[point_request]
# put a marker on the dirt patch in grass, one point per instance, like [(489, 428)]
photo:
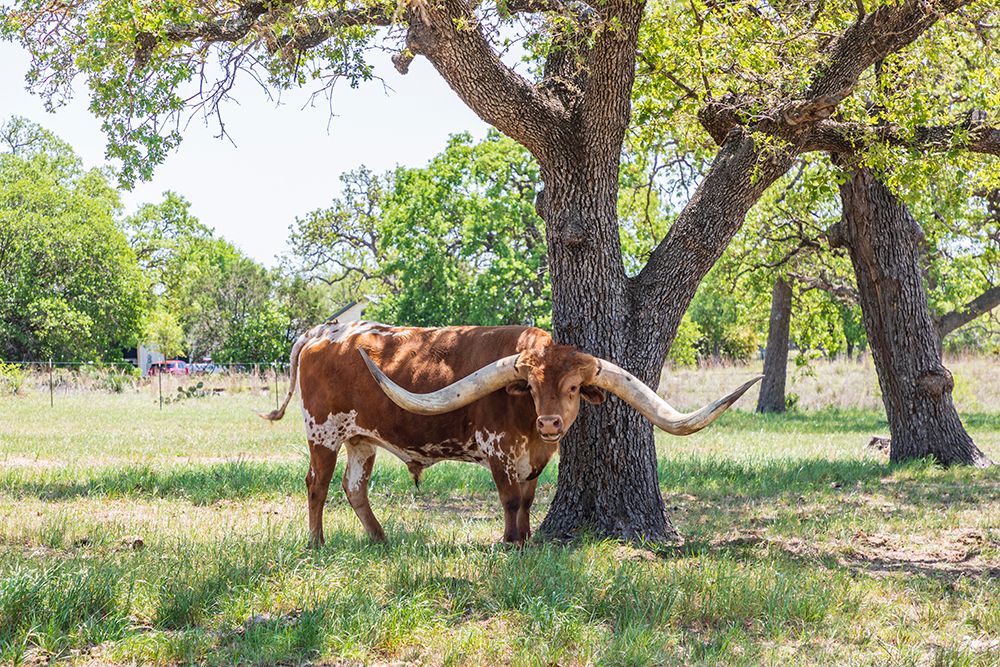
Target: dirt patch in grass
[(952, 553), (470, 509), (630, 553), (27, 462), (793, 546)]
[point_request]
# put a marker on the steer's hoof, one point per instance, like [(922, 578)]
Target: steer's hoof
[(505, 543)]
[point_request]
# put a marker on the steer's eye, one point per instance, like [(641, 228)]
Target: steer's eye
[(573, 389)]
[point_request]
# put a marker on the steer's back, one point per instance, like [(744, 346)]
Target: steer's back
[(340, 398)]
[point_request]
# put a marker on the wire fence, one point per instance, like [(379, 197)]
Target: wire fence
[(166, 384)]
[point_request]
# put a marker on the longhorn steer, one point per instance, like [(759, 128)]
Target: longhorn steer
[(453, 376)]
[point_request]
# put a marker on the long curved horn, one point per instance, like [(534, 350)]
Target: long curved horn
[(458, 394), (632, 390)]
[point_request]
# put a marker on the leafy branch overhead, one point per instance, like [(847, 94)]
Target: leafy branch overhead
[(147, 63)]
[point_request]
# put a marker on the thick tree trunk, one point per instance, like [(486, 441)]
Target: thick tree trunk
[(772, 388), (883, 240), (608, 482)]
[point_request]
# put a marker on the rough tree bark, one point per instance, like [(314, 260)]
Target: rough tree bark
[(883, 241), (608, 481), (772, 388)]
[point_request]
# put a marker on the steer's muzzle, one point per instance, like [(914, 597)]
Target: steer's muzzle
[(550, 427)]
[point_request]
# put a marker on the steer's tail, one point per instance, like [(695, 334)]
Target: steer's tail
[(293, 373)]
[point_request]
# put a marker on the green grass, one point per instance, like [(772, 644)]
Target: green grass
[(801, 547)]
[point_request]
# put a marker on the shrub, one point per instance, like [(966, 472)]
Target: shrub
[(12, 378)]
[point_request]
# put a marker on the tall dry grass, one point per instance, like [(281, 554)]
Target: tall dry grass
[(845, 384)]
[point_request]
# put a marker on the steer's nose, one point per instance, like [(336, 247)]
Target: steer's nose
[(550, 426)]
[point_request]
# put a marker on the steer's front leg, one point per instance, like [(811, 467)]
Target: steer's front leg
[(510, 499), (523, 513)]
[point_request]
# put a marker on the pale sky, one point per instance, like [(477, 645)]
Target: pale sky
[(287, 159)]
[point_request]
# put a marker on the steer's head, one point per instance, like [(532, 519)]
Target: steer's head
[(556, 377)]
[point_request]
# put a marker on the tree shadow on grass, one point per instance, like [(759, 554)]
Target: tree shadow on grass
[(200, 484), (916, 483)]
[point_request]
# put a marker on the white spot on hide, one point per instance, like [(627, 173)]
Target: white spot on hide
[(508, 460), (337, 429), (358, 454)]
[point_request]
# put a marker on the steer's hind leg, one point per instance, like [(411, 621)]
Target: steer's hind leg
[(360, 458), (322, 461)]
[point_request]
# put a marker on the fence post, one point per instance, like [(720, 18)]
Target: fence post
[(52, 400), (159, 381)]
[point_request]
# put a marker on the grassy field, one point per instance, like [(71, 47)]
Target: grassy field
[(130, 535)]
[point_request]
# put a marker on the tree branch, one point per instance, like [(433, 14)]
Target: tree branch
[(849, 138), (449, 35), (312, 30), (738, 176), (873, 37), (844, 293), (981, 305), (868, 40), (226, 29), (607, 101)]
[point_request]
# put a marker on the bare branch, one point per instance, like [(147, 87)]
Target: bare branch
[(981, 305), (453, 40), (849, 138)]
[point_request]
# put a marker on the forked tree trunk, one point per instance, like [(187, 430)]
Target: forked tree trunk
[(608, 483), (883, 240), (772, 388)]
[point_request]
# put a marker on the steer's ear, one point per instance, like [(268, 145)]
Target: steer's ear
[(519, 388), (593, 395)]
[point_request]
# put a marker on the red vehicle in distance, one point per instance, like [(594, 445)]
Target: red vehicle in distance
[(169, 367)]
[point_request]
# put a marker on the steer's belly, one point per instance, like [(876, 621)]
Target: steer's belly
[(429, 453), (505, 453)]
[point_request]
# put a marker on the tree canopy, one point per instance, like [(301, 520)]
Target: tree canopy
[(69, 284), (208, 299), (455, 242)]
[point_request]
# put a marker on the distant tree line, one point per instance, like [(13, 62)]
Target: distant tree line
[(79, 281), (457, 241)]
